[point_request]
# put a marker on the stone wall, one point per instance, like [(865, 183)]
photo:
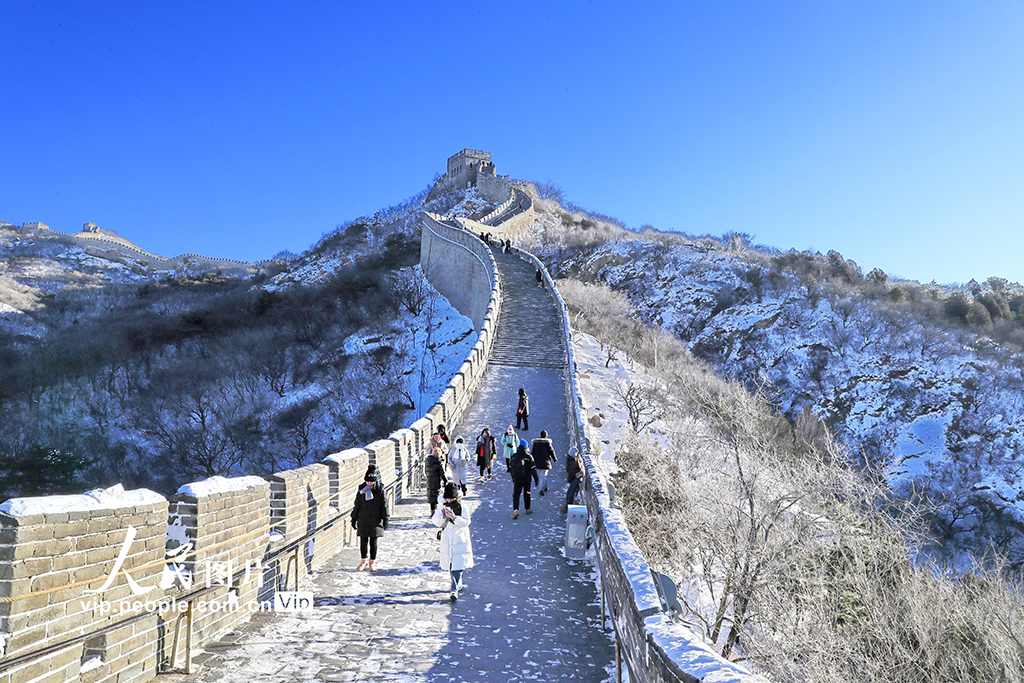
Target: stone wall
[(58, 582), (653, 648), (228, 525), (463, 275), (217, 547), (493, 188)]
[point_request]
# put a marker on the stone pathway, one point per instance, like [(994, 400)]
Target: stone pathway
[(527, 614)]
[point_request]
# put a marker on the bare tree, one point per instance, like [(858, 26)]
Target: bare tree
[(643, 402)]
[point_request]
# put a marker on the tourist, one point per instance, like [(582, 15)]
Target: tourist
[(509, 440), (434, 466), (369, 518), (484, 452), (439, 439), (540, 278), (523, 411), (574, 474), (456, 545), (543, 455), (523, 473), (458, 460)]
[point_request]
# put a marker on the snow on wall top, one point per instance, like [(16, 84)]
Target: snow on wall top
[(346, 454), (215, 485), (113, 498)]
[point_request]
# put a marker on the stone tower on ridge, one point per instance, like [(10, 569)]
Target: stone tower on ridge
[(473, 168)]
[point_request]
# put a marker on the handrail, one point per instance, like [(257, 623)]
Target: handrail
[(475, 358), (188, 597)]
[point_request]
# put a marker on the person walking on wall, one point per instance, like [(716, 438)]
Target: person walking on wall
[(456, 544), (543, 453), (434, 465), (439, 439), (523, 411), (509, 440), (484, 452), (574, 474), (458, 460), (369, 518), (523, 474)]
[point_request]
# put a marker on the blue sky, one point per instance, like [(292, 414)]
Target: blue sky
[(890, 132)]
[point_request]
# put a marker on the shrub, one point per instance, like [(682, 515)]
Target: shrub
[(978, 315)]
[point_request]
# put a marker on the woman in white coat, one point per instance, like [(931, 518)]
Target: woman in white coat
[(459, 460), (456, 545)]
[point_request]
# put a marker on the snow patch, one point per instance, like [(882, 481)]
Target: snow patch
[(113, 498), (215, 485)]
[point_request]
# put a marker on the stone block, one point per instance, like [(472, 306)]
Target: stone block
[(101, 555), (55, 580), (69, 561), (90, 572), (34, 566), (52, 548), (98, 541), (105, 524)]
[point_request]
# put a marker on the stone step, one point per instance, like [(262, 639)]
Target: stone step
[(529, 330)]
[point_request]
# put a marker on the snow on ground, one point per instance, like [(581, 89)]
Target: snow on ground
[(605, 411)]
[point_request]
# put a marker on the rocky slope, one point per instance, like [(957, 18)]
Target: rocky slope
[(939, 409)]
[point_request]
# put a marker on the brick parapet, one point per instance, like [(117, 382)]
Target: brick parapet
[(70, 558), (225, 521)]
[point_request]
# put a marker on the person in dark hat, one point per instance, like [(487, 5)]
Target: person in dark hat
[(456, 544), (543, 455), (369, 518), (523, 474)]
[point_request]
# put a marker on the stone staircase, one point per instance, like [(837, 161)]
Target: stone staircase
[(529, 330)]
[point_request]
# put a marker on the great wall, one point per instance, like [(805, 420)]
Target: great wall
[(105, 586), (107, 244)]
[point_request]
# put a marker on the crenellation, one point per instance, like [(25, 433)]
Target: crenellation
[(49, 547), (473, 168)]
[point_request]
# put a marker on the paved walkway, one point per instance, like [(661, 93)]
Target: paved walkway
[(527, 614)]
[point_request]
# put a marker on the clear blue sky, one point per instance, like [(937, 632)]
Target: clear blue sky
[(892, 132)]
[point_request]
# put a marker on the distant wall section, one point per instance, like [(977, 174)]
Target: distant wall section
[(457, 263)]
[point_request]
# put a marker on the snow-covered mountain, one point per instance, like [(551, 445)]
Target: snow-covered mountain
[(938, 407), (112, 373)]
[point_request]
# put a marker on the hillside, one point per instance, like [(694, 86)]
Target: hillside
[(111, 373), (911, 378)]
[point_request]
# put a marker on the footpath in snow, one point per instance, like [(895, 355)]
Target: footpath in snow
[(527, 614)]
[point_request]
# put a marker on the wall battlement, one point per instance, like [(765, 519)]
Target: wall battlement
[(231, 542), (473, 168), (107, 244)]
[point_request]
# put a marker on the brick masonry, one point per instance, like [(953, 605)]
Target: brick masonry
[(232, 523), (227, 523)]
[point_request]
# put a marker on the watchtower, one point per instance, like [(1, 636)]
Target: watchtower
[(471, 168), (469, 162)]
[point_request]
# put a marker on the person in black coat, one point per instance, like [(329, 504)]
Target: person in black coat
[(543, 455), (434, 467), (523, 473), (523, 411), (574, 474), (369, 517)]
